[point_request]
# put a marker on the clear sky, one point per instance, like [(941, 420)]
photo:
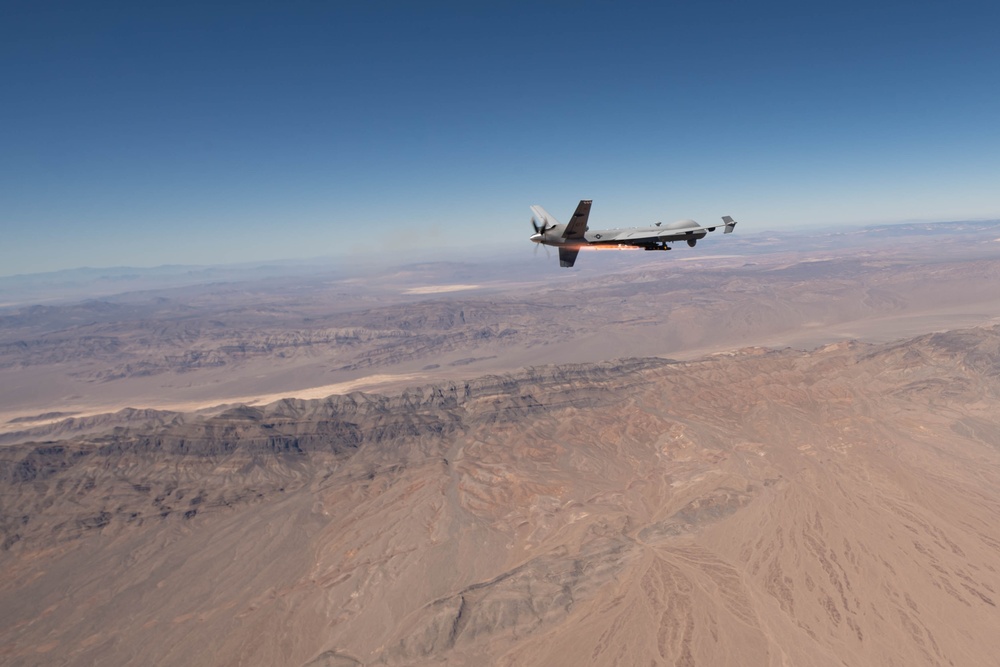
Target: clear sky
[(141, 133)]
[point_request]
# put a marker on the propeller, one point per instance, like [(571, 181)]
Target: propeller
[(540, 229)]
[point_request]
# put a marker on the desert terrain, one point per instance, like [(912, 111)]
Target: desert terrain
[(252, 335), (780, 450)]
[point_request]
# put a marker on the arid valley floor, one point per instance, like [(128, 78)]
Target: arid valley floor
[(781, 450)]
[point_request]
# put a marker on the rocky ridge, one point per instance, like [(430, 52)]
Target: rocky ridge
[(763, 507)]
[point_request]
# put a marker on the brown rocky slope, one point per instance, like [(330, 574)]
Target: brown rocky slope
[(761, 508)]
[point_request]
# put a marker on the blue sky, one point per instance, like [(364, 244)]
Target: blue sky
[(144, 134)]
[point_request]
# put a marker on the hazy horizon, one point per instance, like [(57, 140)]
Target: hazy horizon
[(460, 254), (768, 446)]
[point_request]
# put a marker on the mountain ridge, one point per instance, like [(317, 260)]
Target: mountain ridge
[(762, 507)]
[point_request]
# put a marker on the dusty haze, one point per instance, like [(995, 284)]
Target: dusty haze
[(775, 451)]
